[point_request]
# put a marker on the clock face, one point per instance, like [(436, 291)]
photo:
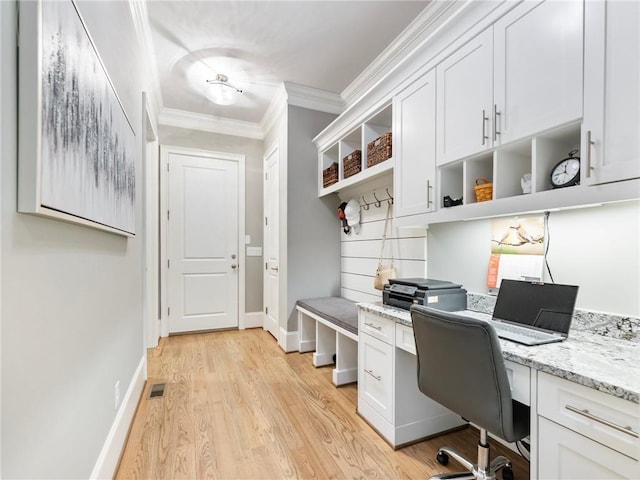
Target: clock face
[(566, 173)]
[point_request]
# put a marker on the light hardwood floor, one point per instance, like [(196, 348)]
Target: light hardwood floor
[(237, 407)]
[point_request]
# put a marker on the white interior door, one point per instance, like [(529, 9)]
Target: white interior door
[(202, 242), (272, 244)]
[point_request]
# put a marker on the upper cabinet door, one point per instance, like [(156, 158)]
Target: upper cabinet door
[(611, 92), (538, 68), (464, 100), (414, 149)]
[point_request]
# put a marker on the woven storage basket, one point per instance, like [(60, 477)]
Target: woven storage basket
[(379, 150), (330, 175), (352, 164), (483, 189)]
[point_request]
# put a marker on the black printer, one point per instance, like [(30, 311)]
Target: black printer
[(440, 294)]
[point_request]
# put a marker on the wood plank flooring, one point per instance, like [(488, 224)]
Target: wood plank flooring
[(237, 407)]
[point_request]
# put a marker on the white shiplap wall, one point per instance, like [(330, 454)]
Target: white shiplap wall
[(360, 252)]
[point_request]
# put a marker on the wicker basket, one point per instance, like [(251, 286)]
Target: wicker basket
[(483, 189), (352, 164), (330, 175), (379, 150)]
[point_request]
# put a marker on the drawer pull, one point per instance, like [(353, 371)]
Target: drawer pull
[(373, 326), (590, 416), (377, 377)]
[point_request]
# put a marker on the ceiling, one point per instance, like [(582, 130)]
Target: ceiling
[(260, 44)]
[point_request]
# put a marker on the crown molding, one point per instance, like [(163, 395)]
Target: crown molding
[(313, 98), (430, 19), (274, 110), (209, 123), (141, 24)]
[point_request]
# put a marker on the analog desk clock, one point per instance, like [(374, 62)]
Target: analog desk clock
[(566, 172)]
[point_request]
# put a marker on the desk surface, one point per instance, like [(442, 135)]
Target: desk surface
[(606, 364)]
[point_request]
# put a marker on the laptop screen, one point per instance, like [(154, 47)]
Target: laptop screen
[(543, 305)]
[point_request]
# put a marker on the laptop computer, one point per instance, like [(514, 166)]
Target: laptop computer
[(534, 313)]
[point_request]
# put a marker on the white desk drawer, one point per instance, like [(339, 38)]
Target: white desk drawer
[(377, 326), (604, 418), (405, 339), (520, 381)]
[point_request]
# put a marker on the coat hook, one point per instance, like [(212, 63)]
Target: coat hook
[(389, 195), (365, 205), (377, 201)]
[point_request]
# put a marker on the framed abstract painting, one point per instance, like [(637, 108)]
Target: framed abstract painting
[(77, 148)]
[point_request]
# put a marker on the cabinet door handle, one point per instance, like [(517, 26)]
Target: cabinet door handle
[(496, 114), (377, 377), (373, 326), (589, 144), (485, 119), (429, 187), (591, 416)]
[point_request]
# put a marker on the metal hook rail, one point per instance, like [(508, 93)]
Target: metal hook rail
[(365, 205)]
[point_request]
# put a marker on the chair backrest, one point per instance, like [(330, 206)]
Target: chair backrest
[(460, 365)]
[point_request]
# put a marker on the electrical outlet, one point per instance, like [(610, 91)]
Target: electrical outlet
[(117, 393)]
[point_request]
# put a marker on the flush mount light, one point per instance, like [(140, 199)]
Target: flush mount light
[(221, 92)]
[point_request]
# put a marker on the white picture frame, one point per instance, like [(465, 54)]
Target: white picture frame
[(77, 147)]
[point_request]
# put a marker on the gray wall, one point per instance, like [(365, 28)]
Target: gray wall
[(596, 248), (313, 233), (253, 150), (71, 296)]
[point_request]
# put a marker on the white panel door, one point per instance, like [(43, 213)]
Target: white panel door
[(465, 100), (612, 91), (272, 244), (202, 243), (538, 67)]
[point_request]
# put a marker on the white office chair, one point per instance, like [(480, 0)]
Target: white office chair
[(460, 365)]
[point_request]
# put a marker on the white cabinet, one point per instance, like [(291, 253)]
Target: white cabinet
[(388, 394), (611, 91), (375, 379), (538, 68), (465, 100), (414, 132), (584, 433)]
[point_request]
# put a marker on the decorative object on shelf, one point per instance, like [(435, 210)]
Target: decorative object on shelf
[(379, 150), (566, 172), (352, 164), (330, 175), (447, 201), (525, 183), (483, 189), (78, 150), (352, 215), (384, 271), (221, 92)]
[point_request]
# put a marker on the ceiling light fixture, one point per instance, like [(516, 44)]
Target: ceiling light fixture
[(221, 92)]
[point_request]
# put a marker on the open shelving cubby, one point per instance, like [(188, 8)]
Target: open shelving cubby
[(357, 139), (476, 168), (548, 149)]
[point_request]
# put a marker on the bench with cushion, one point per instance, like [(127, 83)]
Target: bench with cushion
[(329, 325)]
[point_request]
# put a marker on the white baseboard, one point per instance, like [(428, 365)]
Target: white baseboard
[(109, 457), (288, 341), (253, 319)]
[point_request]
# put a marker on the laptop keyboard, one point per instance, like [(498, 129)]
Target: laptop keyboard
[(506, 330)]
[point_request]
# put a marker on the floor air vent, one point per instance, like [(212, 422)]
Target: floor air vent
[(157, 390)]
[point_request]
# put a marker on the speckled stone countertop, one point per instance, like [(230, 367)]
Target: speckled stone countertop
[(605, 363)]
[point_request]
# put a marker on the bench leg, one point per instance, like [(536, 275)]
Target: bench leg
[(346, 370), (306, 332), (325, 345)]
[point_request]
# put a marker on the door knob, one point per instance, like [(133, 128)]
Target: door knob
[(275, 269), (234, 266)]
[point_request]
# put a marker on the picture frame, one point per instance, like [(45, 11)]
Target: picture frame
[(77, 148)]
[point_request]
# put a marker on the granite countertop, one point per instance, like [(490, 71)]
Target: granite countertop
[(610, 365)]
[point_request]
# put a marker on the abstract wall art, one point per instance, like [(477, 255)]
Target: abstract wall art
[(77, 146)]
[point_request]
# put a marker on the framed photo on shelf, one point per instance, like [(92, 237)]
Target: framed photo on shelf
[(77, 148)]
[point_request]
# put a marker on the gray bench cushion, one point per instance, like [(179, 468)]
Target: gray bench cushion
[(338, 310)]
